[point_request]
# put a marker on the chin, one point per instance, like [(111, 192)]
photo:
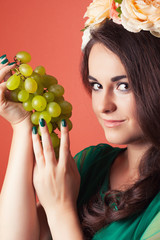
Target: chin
[(116, 138)]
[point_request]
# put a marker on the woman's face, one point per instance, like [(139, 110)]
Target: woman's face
[(112, 98)]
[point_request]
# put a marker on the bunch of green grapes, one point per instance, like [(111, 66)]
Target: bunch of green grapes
[(41, 94)]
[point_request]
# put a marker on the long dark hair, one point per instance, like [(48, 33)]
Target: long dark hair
[(140, 55)]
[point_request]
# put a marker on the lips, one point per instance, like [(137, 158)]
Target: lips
[(113, 123)]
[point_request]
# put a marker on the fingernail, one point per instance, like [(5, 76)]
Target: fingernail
[(64, 124), (11, 63), (34, 130), (3, 56), (42, 122), (4, 61)]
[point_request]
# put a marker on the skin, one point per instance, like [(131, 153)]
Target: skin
[(115, 101)]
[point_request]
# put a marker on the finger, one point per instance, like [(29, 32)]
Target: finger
[(8, 74), (48, 150), (65, 143), (3, 60), (5, 70), (37, 147)]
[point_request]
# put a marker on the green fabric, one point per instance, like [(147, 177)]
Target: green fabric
[(94, 165)]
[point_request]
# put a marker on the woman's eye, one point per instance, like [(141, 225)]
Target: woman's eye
[(95, 86), (123, 87)]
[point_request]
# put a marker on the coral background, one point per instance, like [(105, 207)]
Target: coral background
[(50, 31)]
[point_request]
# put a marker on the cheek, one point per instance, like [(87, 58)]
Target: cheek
[(131, 113), (131, 109), (94, 105)]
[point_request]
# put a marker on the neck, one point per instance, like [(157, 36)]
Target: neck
[(133, 156)]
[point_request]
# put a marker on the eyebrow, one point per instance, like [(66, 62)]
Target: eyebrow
[(113, 79)]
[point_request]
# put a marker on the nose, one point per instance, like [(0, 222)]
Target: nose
[(107, 103)]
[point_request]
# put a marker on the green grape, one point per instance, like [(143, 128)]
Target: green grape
[(50, 128), (13, 82), (56, 151), (49, 96), (39, 103), (37, 77), (28, 104), (21, 85), (35, 118), (55, 140), (69, 123), (40, 94), (39, 90), (59, 99), (25, 70), (23, 57), (66, 107), (55, 119), (68, 115), (40, 70), (23, 95), (30, 85), (14, 95), (54, 109), (48, 80), (54, 125), (57, 89), (46, 116), (63, 116)]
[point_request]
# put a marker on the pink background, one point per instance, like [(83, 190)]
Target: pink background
[(50, 31)]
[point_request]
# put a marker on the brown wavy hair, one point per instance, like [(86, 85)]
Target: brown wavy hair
[(140, 55)]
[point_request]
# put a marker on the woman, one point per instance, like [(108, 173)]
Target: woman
[(119, 195), (122, 75)]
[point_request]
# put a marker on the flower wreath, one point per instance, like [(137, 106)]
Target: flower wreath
[(134, 15)]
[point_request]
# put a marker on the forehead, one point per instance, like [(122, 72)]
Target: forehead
[(103, 61)]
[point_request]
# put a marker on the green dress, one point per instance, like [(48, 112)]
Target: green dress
[(94, 165)]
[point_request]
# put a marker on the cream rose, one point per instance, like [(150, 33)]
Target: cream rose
[(140, 15), (97, 12)]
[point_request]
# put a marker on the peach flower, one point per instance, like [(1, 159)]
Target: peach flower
[(140, 15), (97, 12)]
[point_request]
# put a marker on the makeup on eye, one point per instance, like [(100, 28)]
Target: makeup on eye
[(126, 84), (121, 86), (95, 85)]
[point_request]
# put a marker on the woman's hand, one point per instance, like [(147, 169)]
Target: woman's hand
[(13, 112), (56, 182)]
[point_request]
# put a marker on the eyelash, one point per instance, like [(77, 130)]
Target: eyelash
[(126, 84), (92, 84)]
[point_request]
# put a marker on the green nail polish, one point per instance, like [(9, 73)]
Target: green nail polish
[(34, 130), (11, 63), (42, 122), (64, 124), (3, 56), (4, 61)]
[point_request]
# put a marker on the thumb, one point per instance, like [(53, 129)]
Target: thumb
[(3, 89)]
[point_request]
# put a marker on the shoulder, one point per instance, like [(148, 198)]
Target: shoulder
[(92, 155)]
